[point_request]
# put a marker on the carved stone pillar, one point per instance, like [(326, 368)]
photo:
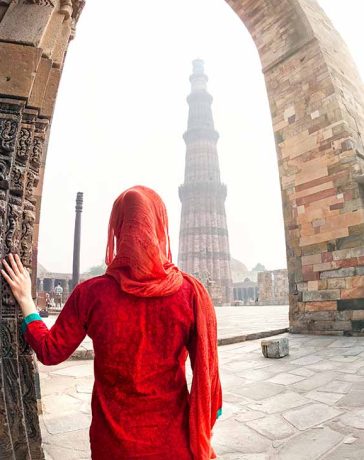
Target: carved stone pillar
[(34, 36)]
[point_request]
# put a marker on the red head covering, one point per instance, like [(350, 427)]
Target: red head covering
[(138, 256)]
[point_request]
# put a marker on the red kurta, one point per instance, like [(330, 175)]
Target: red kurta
[(140, 396)]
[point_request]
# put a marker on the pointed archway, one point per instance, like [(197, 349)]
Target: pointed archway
[(316, 102)]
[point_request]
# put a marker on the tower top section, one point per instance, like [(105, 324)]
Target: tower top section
[(198, 78)]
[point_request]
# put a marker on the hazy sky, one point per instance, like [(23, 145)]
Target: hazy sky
[(121, 112)]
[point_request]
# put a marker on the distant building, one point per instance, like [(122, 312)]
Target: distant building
[(246, 291), (47, 281), (259, 286)]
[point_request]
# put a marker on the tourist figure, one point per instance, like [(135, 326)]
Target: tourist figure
[(144, 316), (58, 291)]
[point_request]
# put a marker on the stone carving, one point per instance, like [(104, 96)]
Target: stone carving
[(27, 238), (36, 153), (66, 8), (4, 173), (17, 180), (8, 131), (23, 347), (6, 336), (12, 229), (31, 182), (39, 2), (24, 143)]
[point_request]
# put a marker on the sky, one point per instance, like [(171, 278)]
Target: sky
[(121, 112)]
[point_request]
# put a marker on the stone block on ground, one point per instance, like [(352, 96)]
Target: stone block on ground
[(275, 348)]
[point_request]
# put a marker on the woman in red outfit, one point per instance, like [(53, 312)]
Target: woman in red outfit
[(144, 317)]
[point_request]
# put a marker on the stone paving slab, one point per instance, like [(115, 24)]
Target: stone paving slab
[(267, 413)]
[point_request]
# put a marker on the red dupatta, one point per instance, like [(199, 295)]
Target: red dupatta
[(138, 256)]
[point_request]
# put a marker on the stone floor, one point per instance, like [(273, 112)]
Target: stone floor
[(309, 405)]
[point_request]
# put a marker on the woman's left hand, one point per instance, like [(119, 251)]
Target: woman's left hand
[(20, 283)]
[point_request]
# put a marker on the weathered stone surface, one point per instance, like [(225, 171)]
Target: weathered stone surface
[(285, 379), (310, 416), (353, 399), (25, 23), (65, 423), (40, 84), (257, 391), (18, 66), (311, 444), (50, 94), (329, 294), (343, 272), (280, 403), (272, 427), (315, 381), (246, 440), (275, 348), (324, 397), (354, 418)]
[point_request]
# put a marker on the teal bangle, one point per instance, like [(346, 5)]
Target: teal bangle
[(29, 319), (219, 413)]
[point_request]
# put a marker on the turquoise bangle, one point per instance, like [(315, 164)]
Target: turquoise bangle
[(29, 319), (219, 413)]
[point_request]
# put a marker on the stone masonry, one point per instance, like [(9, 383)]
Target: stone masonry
[(317, 106), (34, 35), (204, 241)]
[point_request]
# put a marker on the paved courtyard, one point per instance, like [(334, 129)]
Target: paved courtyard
[(309, 405)]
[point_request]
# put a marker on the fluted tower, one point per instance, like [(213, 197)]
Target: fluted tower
[(204, 241)]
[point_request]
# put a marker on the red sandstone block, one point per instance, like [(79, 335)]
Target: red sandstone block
[(311, 276), (337, 206), (306, 268), (319, 181), (348, 196), (321, 306), (316, 196), (310, 260), (355, 282), (346, 263), (327, 257), (355, 293)]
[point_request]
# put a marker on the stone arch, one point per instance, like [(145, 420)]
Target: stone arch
[(317, 106), (316, 102)]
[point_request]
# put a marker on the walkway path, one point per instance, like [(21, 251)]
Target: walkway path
[(307, 406)]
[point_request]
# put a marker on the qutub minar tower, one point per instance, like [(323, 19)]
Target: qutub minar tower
[(204, 241)]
